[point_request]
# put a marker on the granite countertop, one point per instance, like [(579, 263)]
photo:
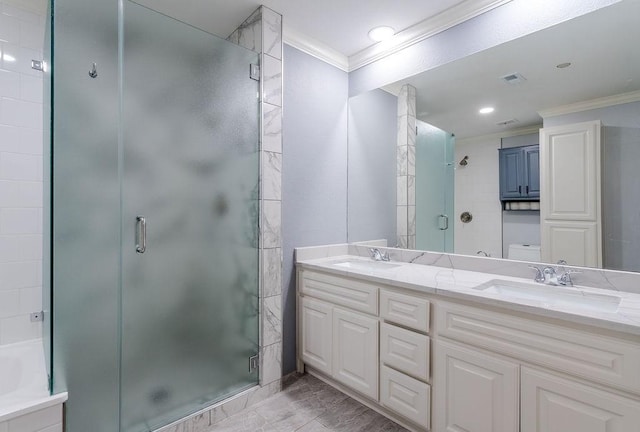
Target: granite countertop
[(460, 284)]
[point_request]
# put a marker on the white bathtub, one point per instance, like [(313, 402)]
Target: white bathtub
[(25, 403)]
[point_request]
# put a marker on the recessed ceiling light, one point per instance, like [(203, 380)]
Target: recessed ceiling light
[(563, 65), (381, 33), (486, 110)]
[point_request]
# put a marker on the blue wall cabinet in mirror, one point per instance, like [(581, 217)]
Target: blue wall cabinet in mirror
[(520, 173)]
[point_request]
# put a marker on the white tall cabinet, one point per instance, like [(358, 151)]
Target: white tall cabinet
[(570, 197)]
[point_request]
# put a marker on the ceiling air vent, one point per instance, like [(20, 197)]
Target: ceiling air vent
[(507, 122), (514, 78)]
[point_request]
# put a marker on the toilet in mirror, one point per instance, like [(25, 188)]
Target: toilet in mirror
[(527, 151)]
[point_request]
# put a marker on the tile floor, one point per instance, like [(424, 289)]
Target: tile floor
[(307, 404)]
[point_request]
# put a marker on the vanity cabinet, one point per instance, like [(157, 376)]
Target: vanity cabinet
[(336, 338), (368, 338), (498, 372), (519, 173)]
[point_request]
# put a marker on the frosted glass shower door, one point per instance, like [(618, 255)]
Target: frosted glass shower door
[(189, 221), (434, 189)]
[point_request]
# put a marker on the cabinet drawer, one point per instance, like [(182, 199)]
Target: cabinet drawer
[(594, 357), (405, 350), (405, 310), (341, 291), (407, 396)]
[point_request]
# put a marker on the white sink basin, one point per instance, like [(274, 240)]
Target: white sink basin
[(552, 296), (367, 265)]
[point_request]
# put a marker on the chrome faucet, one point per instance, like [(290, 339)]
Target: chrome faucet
[(379, 256), (483, 253), (554, 276)]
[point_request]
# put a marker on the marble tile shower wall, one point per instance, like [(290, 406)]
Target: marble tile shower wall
[(406, 168), (22, 25)]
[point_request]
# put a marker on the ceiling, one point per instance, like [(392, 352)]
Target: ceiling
[(339, 24), (602, 47)]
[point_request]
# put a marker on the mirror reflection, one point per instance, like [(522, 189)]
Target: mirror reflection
[(524, 151)]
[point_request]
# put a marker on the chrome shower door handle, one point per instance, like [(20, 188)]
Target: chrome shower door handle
[(443, 222), (141, 234)]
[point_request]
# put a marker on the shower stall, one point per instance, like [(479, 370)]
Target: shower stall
[(152, 204), (434, 188)]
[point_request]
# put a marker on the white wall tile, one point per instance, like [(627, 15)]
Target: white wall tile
[(31, 88), (16, 166), (17, 329), (9, 84), (9, 29), (9, 303), (20, 140), (31, 35), (14, 275), (20, 194), (20, 248), (20, 221), (21, 59), (22, 26), (25, 10), (15, 112), (30, 300)]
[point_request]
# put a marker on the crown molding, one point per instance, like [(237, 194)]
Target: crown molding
[(506, 134), (602, 102), (315, 49), (414, 34), (423, 30)]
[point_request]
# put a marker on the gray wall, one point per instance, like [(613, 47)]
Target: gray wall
[(620, 181), (314, 169), (507, 22), (520, 227), (372, 167)]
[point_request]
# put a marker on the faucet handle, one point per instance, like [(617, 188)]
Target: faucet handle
[(565, 278), (539, 277)]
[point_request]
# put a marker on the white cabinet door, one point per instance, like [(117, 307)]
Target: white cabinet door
[(355, 351), (573, 241), (555, 404), (570, 190), (474, 392), (317, 328)]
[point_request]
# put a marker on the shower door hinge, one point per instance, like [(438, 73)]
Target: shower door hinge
[(254, 72), (37, 65), (254, 363)]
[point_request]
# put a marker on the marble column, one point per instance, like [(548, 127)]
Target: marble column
[(406, 169)]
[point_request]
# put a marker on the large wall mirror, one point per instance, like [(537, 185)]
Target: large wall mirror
[(450, 192)]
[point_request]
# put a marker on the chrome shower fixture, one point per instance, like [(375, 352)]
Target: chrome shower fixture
[(464, 161)]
